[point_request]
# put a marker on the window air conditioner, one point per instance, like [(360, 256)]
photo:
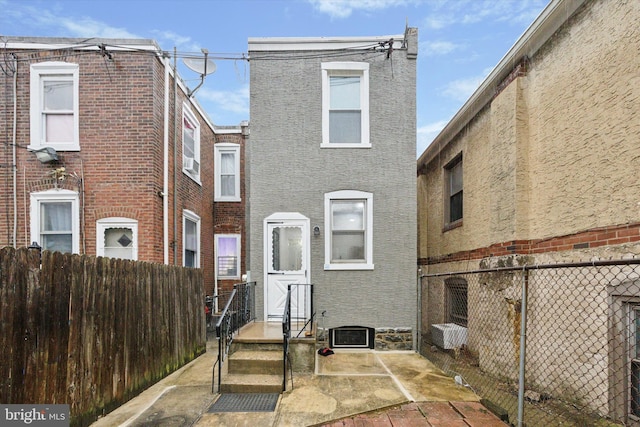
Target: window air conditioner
[(191, 165), (448, 335)]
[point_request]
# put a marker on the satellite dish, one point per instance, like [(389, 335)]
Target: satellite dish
[(202, 66)]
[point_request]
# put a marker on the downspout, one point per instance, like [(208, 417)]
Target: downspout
[(175, 156), (165, 165), (419, 319), (14, 163)]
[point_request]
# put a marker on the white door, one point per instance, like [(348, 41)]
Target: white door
[(286, 259)]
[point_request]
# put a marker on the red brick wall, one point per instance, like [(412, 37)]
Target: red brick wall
[(603, 236), (230, 216), (119, 170)]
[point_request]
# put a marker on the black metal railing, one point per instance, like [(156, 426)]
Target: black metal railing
[(238, 311), (300, 293), (286, 336)]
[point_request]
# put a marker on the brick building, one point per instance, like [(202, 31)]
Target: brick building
[(540, 166), (229, 207), (133, 174)]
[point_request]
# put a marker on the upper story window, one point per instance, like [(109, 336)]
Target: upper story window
[(117, 238), (54, 106), (191, 239), (345, 105), (348, 230), (227, 256), (453, 191), (55, 219), (227, 170), (190, 143)]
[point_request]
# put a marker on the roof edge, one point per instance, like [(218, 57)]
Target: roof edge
[(543, 27), (265, 44)]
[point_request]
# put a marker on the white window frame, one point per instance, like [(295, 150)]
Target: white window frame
[(188, 215), (191, 165), (40, 72), (102, 225), (40, 197), (368, 233), (346, 69), (237, 238), (226, 148)]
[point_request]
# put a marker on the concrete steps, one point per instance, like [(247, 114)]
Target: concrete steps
[(242, 383), (253, 370), (256, 362)]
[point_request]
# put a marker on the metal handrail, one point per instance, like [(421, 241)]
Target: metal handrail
[(238, 311), (286, 336), (286, 325)]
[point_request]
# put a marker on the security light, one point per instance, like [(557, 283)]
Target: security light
[(46, 155)]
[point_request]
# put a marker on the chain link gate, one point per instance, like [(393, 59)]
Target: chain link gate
[(571, 331)]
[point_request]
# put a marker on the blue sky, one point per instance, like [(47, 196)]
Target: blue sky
[(460, 41)]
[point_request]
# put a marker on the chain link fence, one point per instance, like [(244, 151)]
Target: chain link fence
[(552, 345)]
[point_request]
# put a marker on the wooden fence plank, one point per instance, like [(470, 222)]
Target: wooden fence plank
[(92, 332)]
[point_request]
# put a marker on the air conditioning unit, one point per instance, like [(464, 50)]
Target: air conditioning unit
[(448, 335), (191, 165)]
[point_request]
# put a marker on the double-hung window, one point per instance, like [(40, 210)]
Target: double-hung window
[(453, 191), (348, 230), (54, 106), (117, 238), (227, 172), (190, 143), (191, 239), (227, 256), (345, 105), (55, 220)]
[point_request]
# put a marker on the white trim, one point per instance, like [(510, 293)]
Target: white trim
[(219, 149), (368, 238), (346, 68), (56, 196), (102, 225), (191, 165), (284, 217), (63, 71), (49, 43), (265, 44), (188, 215)]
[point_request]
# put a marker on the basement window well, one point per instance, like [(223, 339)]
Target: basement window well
[(352, 337)]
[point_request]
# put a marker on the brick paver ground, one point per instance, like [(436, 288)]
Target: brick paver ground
[(426, 414)]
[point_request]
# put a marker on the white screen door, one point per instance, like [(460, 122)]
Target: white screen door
[(286, 263)]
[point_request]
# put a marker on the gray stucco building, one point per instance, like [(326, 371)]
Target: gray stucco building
[(331, 184)]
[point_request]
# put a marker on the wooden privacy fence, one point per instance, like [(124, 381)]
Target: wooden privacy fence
[(93, 332)]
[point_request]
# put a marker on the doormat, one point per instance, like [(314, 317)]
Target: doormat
[(245, 402)]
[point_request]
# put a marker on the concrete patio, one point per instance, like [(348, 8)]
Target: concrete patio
[(350, 387)]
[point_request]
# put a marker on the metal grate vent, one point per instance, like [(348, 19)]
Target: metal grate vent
[(245, 402), (352, 337)]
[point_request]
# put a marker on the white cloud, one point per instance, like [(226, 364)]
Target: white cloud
[(180, 42), (427, 133), (216, 102), (344, 8), (87, 27), (462, 89), (466, 12), (67, 27), (438, 47)]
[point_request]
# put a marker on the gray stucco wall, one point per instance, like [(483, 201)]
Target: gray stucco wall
[(289, 172)]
